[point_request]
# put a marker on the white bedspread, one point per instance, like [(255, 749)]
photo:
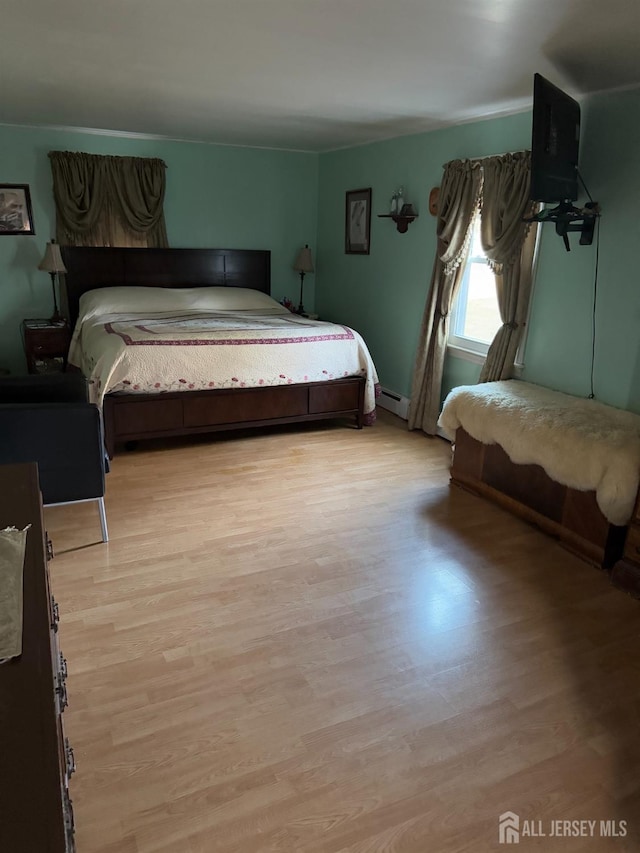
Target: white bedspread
[(185, 350), (580, 443)]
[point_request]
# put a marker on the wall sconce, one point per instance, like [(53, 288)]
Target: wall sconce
[(403, 218)]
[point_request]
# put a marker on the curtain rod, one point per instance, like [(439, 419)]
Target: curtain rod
[(486, 157), (107, 156), (504, 154)]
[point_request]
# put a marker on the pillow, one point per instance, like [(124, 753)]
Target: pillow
[(129, 300)]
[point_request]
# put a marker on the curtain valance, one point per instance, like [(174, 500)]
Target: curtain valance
[(98, 196)]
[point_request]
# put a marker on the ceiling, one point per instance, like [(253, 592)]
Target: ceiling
[(311, 75)]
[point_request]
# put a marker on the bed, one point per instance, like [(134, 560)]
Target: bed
[(225, 354)]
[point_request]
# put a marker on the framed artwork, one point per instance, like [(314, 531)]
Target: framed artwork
[(16, 216), (357, 222)]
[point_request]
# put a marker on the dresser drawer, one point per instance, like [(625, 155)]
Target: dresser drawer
[(48, 345), (237, 406), (340, 396), (153, 417)]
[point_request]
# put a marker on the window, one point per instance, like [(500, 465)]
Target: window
[(475, 317)]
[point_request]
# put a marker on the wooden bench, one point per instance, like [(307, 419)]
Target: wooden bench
[(527, 491), (515, 425)]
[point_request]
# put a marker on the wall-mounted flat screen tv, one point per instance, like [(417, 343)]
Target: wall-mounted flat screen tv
[(554, 143)]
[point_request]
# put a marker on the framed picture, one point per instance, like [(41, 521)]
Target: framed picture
[(357, 222), (16, 216)]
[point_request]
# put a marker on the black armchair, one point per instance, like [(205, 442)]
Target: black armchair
[(48, 419)]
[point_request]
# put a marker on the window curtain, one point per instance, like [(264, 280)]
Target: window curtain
[(458, 203), (108, 201), (509, 245)]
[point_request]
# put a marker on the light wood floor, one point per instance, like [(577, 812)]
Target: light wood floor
[(308, 641)]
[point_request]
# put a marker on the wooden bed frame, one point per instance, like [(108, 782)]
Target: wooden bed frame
[(129, 417), (526, 490)]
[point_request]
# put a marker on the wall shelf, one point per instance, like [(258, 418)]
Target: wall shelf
[(402, 221)]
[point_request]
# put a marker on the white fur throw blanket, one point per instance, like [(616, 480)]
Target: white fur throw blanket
[(580, 443)]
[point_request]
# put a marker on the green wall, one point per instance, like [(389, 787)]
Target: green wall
[(254, 198), (559, 345), (383, 294), (217, 196)]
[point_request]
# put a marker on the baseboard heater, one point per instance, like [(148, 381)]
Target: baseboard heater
[(394, 402)]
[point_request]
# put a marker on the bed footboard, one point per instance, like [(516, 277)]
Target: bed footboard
[(130, 417)]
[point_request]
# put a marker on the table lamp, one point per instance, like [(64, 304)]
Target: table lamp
[(303, 264), (53, 264)]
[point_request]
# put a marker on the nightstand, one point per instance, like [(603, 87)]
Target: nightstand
[(46, 345)]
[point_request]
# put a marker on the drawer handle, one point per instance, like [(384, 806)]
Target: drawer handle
[(55, 610), (71, 759), (69, 822), (70, 843), (61, 693)]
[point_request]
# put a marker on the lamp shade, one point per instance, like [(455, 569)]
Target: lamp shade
[(304, 262), (52, 260)]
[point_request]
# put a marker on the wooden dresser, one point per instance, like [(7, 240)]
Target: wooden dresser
[(626, 572), (36, 761)]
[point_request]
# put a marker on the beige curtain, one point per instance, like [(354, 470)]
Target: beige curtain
[(108, 201), (509, 244), (458, 202)]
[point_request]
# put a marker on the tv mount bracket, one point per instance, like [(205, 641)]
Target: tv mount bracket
[(568, 218)]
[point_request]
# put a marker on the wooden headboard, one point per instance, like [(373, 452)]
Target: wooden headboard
[(89, 268)]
